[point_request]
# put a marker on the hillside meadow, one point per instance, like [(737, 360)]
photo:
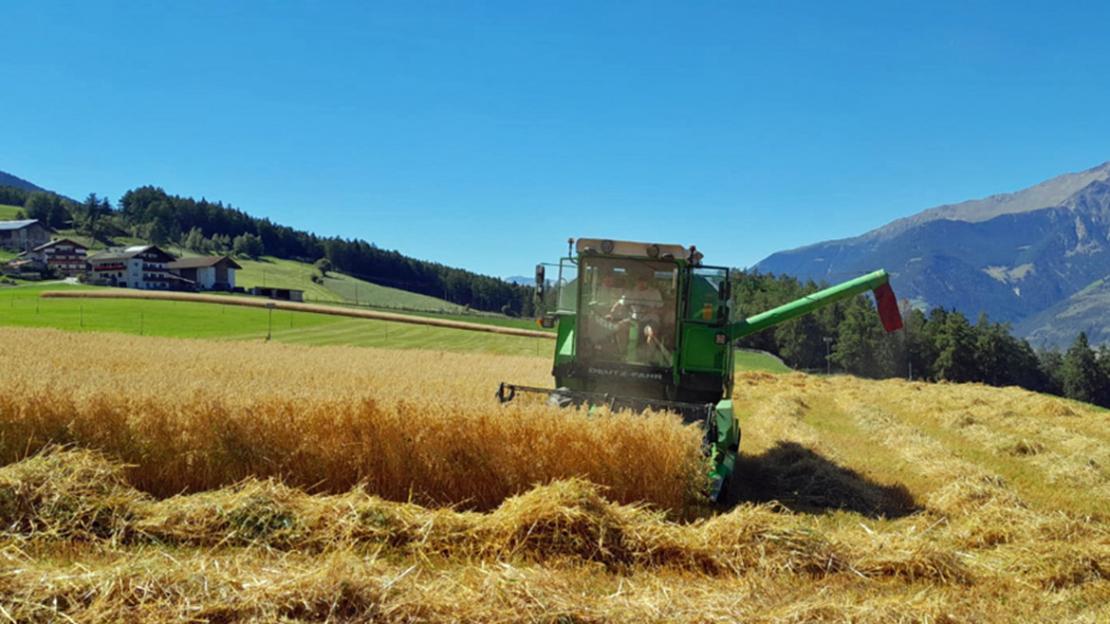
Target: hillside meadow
[(152, 479), (8, 212), (335, 287)]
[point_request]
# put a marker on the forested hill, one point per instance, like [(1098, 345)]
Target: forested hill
[(941, 345), (205, 226), (7, 179), (159, 216)]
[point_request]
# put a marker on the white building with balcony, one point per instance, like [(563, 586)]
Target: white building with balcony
[(142, 266)]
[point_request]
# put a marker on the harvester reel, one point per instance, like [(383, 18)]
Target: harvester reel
[(560, 397)]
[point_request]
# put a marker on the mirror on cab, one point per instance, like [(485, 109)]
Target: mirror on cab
[(540, 281)]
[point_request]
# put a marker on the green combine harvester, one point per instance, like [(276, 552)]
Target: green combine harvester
[(648, 326)]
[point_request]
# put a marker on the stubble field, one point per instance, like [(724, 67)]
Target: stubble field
[(169, 480)]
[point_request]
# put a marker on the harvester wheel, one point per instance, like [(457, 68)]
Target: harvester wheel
[(731, 491)]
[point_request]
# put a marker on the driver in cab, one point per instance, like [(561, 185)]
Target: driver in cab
[(643, 304)]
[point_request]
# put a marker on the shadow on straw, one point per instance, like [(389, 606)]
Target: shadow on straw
[(804, 481)]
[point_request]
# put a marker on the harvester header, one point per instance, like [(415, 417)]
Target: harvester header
[(648, 326)]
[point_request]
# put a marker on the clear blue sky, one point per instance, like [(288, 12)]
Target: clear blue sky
[(484, 134)]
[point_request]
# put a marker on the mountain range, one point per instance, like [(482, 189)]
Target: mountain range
[(1038, 258)]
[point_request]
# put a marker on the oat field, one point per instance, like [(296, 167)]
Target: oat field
[(172, 480), (193, 415)]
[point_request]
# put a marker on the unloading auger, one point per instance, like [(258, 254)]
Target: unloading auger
[(647, 326)]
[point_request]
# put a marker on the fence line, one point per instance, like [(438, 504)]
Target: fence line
[(297, 307)]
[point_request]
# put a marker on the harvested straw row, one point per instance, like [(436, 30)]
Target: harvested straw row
[(81, 495), (951, 445), (895, 428), (151, 585), (78, 541), (217, 555), (295, 307)]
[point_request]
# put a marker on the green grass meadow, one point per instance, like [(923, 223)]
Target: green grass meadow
[(7, 213), (336, 287), (341, 289), (21, 306), (759, 361)]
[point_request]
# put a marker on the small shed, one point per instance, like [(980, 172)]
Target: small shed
[(284, 294)]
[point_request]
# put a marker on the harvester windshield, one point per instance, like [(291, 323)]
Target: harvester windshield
[(628, 308)]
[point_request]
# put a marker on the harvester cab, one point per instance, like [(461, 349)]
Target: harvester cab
[(649, 326)]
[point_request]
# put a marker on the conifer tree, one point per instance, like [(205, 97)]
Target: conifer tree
[(857, 340), (954, 342), (195, 240), (1082, 377)]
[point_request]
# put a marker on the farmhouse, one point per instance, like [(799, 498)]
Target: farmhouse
[(207, 272), (23, 235), (63, 256), (141, 266)]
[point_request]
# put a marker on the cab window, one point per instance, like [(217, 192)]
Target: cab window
[(628, 309)]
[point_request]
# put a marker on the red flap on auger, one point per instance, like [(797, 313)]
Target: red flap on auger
[(888, 308)]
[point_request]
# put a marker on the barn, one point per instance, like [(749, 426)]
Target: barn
[(207, 272), (23, 235)]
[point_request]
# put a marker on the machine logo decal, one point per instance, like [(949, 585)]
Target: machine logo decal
[(627, 374)]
